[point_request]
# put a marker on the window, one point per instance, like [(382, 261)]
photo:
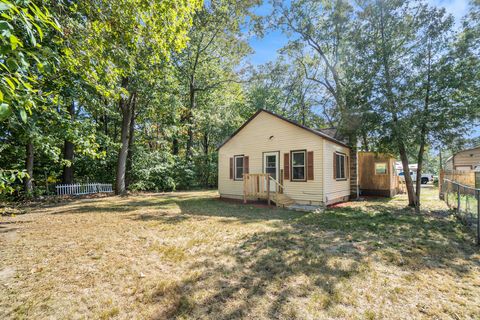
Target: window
[(238, 167), (340, 166), (381, 168), (298, 165), (271, 165)]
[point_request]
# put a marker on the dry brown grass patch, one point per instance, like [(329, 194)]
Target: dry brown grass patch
[(189, 256)]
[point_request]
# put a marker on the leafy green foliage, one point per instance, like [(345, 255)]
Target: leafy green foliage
[(25, 62), (8, 179), (142, 91)]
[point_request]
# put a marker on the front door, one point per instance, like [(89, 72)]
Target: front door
[(271, 165)]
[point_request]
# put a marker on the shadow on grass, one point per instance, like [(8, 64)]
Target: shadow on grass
[(310, 256), (267, 266), (316, 253), (160, 209)]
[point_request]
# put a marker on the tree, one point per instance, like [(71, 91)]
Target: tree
[(125, 40), (416, 82), (321, 29), (25, 62), (212, 57), (282, 87)]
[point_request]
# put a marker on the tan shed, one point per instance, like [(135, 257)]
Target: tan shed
[(377, 175)]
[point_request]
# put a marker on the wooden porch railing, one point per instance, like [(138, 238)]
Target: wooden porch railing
[(257, 185)]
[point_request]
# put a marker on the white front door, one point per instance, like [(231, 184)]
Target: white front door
[(271, 165)]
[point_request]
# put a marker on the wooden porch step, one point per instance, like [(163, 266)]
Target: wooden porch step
[(282, 200)]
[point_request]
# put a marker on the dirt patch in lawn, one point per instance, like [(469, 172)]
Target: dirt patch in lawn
[(257, 204), (189, 255)]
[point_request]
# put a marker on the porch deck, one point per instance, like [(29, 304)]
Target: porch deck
[(259, 186)]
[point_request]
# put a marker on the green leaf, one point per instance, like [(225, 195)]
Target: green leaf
[(5, 111), (12, 64), (39, 30), (10, 83), (23, 115), (1, 96), (15, 42), (5, 29)]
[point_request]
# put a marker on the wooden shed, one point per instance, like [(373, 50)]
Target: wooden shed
[(377, 175)]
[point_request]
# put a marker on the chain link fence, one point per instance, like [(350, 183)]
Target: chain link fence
[(465, 200)]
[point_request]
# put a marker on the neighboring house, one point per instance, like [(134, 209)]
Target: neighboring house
[(465, 160), (311, 166)]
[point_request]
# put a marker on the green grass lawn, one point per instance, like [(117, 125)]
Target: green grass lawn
[(190, 255)]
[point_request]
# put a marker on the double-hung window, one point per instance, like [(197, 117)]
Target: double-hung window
[(340, 166), (238, 161), (298, 165)]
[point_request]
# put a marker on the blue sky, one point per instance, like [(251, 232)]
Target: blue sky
[(265, 49)]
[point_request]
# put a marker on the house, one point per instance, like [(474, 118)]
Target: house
[(466, 160), (271, 156), (377, 174)]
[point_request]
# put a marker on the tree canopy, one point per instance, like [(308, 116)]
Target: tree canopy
[(140, 93)]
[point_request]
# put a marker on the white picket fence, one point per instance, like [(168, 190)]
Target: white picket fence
[(84, 188)]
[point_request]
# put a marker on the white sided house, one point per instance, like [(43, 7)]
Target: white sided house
[(271, 157)]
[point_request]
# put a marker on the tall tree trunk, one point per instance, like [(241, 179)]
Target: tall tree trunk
[(440, 166), (189, 118), (126, 113), (419, 170), (27, 181), (68, 152), (131, 140), (365, 141), (189, 153), (412, 199), (175, 146), (423, 130)]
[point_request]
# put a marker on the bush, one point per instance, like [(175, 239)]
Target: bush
[(153, 171)]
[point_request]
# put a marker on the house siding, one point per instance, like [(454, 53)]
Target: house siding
[(466, 160), (254, 139), (334, 190)]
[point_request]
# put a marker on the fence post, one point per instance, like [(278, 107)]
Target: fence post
[(446, 194), (478, 217), (458, 198), (268, 188)]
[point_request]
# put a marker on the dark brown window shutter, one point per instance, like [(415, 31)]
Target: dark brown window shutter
[(231, 168), (310, 165), (286, 166), (245, 164), (334, 166), (347, 167)]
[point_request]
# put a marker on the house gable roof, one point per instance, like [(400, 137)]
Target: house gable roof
[(316, 132), (461, 151)]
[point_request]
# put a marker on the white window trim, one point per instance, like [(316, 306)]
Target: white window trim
[(235, 167), (299, 166), (344, 166)]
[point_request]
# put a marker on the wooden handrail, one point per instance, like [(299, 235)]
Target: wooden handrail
[(257, 185), (278, 184)]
